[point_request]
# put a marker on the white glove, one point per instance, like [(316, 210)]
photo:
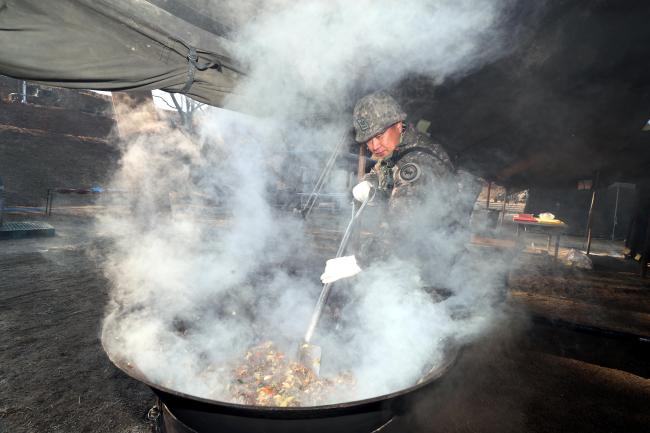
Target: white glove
[(362, 190), (342, 267)]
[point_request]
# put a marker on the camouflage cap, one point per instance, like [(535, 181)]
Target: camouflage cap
[(374, 113)]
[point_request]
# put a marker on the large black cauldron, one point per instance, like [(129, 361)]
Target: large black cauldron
[(184, 413)]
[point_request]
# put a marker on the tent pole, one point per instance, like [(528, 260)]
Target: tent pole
[(591, 211), (618, 191), (630, 238)]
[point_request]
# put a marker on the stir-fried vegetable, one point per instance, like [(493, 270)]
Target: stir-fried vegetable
[(267, 378)]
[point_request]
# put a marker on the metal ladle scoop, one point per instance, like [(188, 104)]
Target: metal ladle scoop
[(309, 354)]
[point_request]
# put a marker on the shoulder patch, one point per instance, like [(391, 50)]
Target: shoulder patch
[(409, 172)]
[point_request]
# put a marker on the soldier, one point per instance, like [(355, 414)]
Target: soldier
[(414, 185)]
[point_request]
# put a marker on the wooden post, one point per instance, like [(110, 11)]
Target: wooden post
[(503, 208), (645, 255), (591, 211), (487, 201), (361, 166), (355, 240)]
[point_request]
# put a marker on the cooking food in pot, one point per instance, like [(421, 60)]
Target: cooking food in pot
[(266, 377)]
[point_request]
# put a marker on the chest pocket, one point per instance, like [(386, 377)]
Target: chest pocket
[(385, 175)]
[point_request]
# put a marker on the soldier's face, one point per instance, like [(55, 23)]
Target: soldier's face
[(382, 145)]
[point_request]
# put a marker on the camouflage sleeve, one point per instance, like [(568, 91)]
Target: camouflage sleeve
[(371, 177), (372, 246)]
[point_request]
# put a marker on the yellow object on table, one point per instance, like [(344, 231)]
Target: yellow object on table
[(553, 221)]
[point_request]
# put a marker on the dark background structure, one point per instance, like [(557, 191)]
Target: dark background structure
[(569, 99)]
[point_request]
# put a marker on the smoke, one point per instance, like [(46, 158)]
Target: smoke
[(204, 264), (322, 52)]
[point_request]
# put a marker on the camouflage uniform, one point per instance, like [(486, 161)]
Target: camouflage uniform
[(404, 176), (414, 213), (405, 182)]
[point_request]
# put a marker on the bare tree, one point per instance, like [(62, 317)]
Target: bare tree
[(185, 107)]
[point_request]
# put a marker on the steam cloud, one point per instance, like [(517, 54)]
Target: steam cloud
[(203, 266)]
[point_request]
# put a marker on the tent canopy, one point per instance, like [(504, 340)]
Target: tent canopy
[(117, 45)]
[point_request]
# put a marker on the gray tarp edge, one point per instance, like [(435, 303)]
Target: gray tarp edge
[(95, 44)]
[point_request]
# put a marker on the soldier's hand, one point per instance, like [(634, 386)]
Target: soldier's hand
[(341, 267), (361, 191)]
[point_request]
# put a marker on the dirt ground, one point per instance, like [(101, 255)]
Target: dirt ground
[(611, 296), (524, 376), (54, 374), (510, 381)]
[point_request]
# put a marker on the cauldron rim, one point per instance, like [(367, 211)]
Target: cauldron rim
[(450, 355)]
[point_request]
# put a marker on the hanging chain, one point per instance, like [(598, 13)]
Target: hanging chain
[(153, 416)]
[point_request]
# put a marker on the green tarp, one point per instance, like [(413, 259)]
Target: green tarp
[(115, 45)]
